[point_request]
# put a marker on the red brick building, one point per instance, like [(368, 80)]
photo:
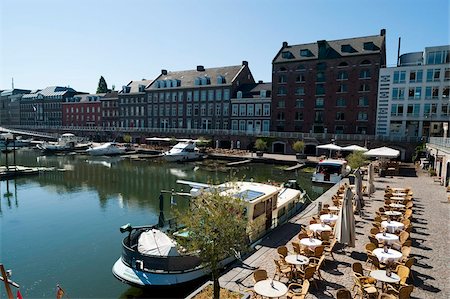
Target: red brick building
[(328, 86), (110, 109), (82, 110)]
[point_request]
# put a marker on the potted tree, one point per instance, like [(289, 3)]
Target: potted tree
[(260, 146), (298, 147)]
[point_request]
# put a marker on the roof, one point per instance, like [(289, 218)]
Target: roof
[(83, 98), (332, 162), (133, 86), (188, 78), (51, 91), (253, 90), (331, 49), (14, 91)]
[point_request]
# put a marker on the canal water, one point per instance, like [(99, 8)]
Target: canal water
[(62, 226)]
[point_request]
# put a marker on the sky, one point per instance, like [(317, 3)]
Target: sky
[(74, 42)]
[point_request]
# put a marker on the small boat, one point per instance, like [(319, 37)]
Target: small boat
[(151, 257), (66, 142), (183, 151), (106, 149), (330, 171), (7, 140)]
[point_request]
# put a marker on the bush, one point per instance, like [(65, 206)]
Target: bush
[(260, 145), (356, 159), (298, 146)]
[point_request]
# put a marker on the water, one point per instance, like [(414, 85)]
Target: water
[(62, 227)]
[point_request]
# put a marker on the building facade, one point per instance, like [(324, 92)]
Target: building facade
[(327, 86), (413, 98), (133, 104), (82, 110), (250, 110), (110, 110), (195, 99), (44, 107), (10, 106)]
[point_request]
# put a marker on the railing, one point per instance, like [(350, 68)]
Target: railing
[(440, 141), (214, 132)]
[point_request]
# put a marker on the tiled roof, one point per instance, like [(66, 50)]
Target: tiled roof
[(253, 90), (133, 86), (331, 49), (188, 78), (83, 98), (51, 91), (9, 92)]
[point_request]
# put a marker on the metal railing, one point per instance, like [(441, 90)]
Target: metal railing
[(440, 142)]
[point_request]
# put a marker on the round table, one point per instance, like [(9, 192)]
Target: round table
[(385, 257), (296, 259), (270, 288), (396, 206), (318, 227), (397, 198), (393, 213), (380, 275), (334, 209), (388, 238), (401, 194), (310, 243), (392, 226), (329, 218)]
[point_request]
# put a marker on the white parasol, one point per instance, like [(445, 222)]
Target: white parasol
[(330, 146), (354, 148), (344, 229), (383, 152)]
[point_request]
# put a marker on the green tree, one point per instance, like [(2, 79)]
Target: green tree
[(217, 228), (260, 145), (298, 146), (356, 159), (102, 86)]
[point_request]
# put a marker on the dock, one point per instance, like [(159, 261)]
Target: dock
[(16, 171), (239, 162), (295, 167)]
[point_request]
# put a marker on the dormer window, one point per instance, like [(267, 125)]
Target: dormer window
[(220, 79), (347, 49), (287, 55), (262, 93), (197, 81), (239, 95), (306, 53), (370, 46)]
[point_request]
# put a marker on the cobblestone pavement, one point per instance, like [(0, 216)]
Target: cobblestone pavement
[(430, 236)]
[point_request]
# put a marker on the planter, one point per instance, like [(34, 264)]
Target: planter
[(209, 283), (300, 156), (259, 153)]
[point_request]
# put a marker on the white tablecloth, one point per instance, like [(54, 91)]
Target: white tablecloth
[(328, 218), (393, 226), (294, 259), (264, 288), (311, 243), (390, 256), (317, 227), (380, 275), (396, 206), (389, 238), (393, 213)]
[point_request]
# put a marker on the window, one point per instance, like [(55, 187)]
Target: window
[(362, 116), (266, 110), (447, 74), (399, 76), (301, 67), (242, 110), (189, 96), (319, 103), (445, 111), (415, 76), (340, 115), (342, 75), (318, 116), (364, 74), (203, 109), (415, 93), (299, 103), (281, 104), (250, 109), (225, 109), (218, 109), (364, 87), (195, 112), (258, 109), (363, 102), (282, 79), (320, 89), (341, 102), (211, 95), (413, 110), (226, 94), (300, 78), (234, 110), (348, 49), (320, 77), (438, 57), (300, 91), (196, 95), (365, 62), (343, 64), (280, 116), (298, 115), (218, 94), (342, 88), (203, 95), (210, 109), (266, 125), (306, 53), (431, 92), (370, 46), (445, 92), (189, 110), (282, 91), (433, 75), (339, 129), (287, 55), (180, 96), (361, 130)]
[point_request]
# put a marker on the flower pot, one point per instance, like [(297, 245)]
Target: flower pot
[(259, 153)]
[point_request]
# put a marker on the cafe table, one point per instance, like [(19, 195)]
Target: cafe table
[(311, 243), (270, 288), (328, 218), (318, 227), (381, 275), (399, 194), (396, 205), (296, 259), (387, 238), (392, 226), (390, 256), (393, 213), (334, 209)]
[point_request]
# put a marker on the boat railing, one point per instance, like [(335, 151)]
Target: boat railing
[(140, 261)]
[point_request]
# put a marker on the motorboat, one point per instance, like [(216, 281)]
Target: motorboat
[(331, 171), (66, 142), (8, 141), (106, 149), (183, 151), (151, 256)]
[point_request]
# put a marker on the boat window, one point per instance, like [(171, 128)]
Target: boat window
[(328, 169), (259, 209)]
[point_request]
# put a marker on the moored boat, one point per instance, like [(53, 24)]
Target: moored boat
[(183, 151), (330, 171), (66, 142), (106, 149), (152, 257)]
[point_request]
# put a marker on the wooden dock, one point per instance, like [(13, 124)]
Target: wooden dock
[(15, 171), (239, 162), (295, 167)]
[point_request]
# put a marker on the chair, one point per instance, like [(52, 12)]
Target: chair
[(374, 231), (293, 287), (259, 275), (408, 263), (307, 274), (318, 251), (364, 290), (404, 292), (386, 296), (358, 271), (403, 272), (282, 251), (325, 237), (282, 270), (370, 247), (376, 262), (406, 250), (328, 249), (297, 248), (374, 241), (343, 294), (317, 262), (303, 235)]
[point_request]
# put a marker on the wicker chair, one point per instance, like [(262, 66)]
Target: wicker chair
[(307, 274), (328, 249), (376, 263), (259, 275), (282, 270), (408, 263), (282, 251), (343, 294), (294, 287), (317, 262), (404, 292)]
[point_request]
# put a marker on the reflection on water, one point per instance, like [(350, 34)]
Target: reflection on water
[(64, 224)]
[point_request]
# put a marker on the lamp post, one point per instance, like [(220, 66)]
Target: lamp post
[(445, 127)]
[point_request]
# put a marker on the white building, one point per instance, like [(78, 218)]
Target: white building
[(413, 98)]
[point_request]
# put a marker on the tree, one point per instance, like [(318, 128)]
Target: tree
[(102, 86), (217, 228), (356, 159), (298, 146), (260, 145)]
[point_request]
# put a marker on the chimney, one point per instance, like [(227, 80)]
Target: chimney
[(383, 32), (260, 81), (200, 68), (244, 62), (285, 44), (164, 72)]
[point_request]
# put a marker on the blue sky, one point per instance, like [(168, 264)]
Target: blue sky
[(62, 42)]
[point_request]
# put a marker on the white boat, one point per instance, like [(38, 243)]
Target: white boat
[(66, 142), (151, 257), (183, 151), (330, 171), (106, 149), (7, 140)]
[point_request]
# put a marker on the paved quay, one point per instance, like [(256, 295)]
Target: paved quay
[(430, 241)]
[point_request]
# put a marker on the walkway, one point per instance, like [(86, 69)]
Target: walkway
[(431, 233)]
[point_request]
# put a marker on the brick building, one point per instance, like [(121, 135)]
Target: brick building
[(328, 86), (195, 99), (133, 104), (10, 106), (110, 109), (82, 110)]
